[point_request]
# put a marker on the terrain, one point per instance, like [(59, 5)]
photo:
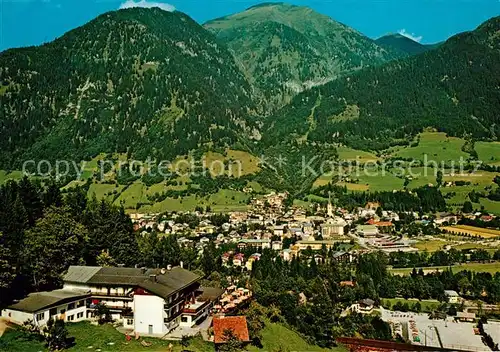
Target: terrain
[(145, 83), (285, 49)]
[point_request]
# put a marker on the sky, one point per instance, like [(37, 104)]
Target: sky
[(33, 22)]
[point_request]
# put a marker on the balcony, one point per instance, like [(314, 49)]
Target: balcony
[(195, 308)]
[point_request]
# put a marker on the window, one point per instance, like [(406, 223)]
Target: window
[(184, 319), (130, 321), (71, 306), (81, 303), (63, 311), (40, 316), (79, 315), (71, 317)]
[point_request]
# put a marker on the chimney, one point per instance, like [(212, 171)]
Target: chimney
[(153, 278)]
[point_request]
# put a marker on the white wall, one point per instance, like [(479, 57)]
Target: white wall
[(16, 316), (148, 310)]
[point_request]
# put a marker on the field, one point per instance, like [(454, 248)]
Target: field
[(473, 231), (476, 267), (94, 338), (14, 175), (435, 146), (488, 152), (430, 245), (346, 153)]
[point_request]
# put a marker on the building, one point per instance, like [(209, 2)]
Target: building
[(367, 230), (68, 305), (452, 296), (254, 243), (333, 228), (341, 257), (466, 317), (238, 325), (150, 301)]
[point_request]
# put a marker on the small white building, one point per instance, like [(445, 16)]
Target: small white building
[(452, 296), (68, 305)]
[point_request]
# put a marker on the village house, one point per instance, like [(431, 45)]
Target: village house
[(68, 305), (238, 259), (452, 296), (333, 228), (237, 324), (254, 243)]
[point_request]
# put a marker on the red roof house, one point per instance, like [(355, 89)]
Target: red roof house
[(238, 324)]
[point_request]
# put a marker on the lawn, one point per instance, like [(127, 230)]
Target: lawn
[(488, 152), (104, 190), (426, 306), (105, 338), (476, 267), (346, 153), (434, 146), (430, 246), (277, 337), (13, 175)]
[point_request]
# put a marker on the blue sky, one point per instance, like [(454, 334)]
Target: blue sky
[(33, 22)]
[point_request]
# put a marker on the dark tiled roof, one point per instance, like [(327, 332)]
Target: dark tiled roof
[(237, 324), (210, 293), (43, 300), (163, 285)]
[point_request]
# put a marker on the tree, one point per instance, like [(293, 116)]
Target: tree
[(56, 335), (467, 207), (231, 342), (439, 178), (104, 259), (102, 313), (56, 242)]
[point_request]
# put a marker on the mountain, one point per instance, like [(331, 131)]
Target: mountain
[(454, 88), (284, 49), (403, 44), (143, 81)]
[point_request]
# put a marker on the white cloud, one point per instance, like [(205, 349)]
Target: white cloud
[(147, 4), (412, 36)]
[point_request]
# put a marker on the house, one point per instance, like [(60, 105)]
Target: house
[(255, 243), (367, 230), (279, 230), (314, 245), (68, 305), (449, 218), (197, 310), (238, 259), (237, 324), (253, 258), (151, 301), (466, 317), (341, 257), (452, 296), (333, 228), (286, 254), (277, 245)]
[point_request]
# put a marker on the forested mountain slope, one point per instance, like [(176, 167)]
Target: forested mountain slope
[(404, 44), (284, 49), (454, 88), (146, 81)]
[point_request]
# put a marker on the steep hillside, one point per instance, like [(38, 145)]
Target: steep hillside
[(284, 49), (403, 44), (146, 81), (454, 88)]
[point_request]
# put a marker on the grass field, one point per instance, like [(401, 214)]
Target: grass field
[(476, 267), (276, 337), (435, 146), (431, 245), (473, 231), (93, 338), (488, 152), (426, 306), (346, 153)]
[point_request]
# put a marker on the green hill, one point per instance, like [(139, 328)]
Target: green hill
[(404, 44), (144, 81), (284, 49)]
